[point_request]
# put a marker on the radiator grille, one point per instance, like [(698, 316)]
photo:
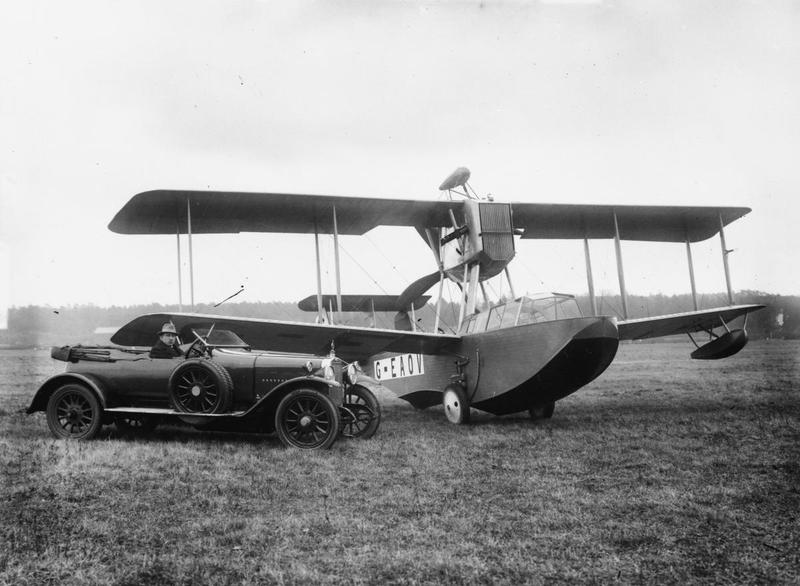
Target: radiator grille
[(496, 231)]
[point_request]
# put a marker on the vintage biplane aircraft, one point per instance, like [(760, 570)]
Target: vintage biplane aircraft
[(519, 353)]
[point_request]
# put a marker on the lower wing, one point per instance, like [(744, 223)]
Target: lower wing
[(682, 323), (351, 343)]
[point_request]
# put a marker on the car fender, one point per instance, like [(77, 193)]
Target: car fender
[(269, 402), (41, 397), (370, 383)]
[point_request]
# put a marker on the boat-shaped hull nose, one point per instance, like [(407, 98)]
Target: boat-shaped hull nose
[(577, 358)]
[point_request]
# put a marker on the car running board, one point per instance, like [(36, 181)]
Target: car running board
[(156, 411)]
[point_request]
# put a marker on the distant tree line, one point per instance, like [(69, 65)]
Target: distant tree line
[(43, 326)]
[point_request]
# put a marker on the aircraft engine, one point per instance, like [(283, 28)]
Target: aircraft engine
[(485, 235)]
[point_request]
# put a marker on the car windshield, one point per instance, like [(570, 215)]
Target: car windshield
[(218, 338)]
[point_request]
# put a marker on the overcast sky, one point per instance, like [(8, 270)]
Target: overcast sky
[(565, 102)]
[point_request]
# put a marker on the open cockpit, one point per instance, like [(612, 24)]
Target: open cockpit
[(523, 310)]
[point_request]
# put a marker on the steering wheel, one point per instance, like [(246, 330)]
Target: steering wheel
[(200, 346)]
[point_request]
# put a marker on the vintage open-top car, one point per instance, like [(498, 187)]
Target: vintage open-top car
[(219, 383)]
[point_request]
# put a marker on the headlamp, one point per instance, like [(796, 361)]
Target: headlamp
[(353, 370)]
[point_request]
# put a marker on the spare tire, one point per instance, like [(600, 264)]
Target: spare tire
[(200, 385)]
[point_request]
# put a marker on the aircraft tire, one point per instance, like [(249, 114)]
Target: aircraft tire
[(542, 411), (456, 405)]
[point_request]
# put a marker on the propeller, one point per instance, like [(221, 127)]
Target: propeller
[(415, 290), (412, 294)]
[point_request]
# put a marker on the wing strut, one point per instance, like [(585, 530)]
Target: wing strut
[(589, 277), (510, 284), (620, 272), (725, 253), (338, 273), (320, 307), (438, 301), (474, 279), (178, 242), (191, 261), (691, 273), (435, 244)]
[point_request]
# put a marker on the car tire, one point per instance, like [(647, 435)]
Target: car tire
[(200, 385), (456, 405), (308, 420), (363, 413), (73, 412)]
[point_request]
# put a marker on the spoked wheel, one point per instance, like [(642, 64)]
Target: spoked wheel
[(361, 413), (542, 411), (307, 419), (73, 412), (456, 406), (135, 424), (200, 386)]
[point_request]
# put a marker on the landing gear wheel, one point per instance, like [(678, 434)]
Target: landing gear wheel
[(456, 406), (308, 420), (135, 424), (200, 386), (73, 412), (542, 411), (361, 413)]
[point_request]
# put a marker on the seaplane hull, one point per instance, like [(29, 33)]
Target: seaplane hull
[(507, 370)]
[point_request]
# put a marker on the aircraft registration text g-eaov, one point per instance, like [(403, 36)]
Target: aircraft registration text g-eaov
[(399, 366)]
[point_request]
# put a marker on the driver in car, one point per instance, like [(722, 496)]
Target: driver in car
[(167, 344)]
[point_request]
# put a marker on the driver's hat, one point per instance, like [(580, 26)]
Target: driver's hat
[(168, 328)]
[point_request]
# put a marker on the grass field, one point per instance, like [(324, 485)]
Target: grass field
[(664, 470)]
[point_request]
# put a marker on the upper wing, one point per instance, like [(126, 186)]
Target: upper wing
[(351, 343), (651, 223), (218, 212), (364, 303), (681, 323)]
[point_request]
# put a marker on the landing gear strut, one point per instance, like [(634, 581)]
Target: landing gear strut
[(544, 411)]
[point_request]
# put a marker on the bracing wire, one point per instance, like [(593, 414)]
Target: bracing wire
[(367, 273), (530, 271), (375, 246)]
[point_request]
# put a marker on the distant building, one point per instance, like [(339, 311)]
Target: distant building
[(106, 330)]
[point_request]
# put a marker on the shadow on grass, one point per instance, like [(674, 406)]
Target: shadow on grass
[(175, 432), (578, 411), (178, 433)]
